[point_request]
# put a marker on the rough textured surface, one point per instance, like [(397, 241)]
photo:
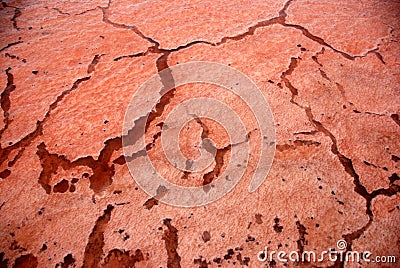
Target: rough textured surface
[(329, 72)]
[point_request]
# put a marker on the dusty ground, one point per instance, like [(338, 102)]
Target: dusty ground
[(329, 72)]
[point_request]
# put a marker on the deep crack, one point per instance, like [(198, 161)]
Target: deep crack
[(94, 249), (5, 100), (170, 238)]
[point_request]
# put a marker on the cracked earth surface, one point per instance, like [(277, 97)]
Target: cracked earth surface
[(329, 72)]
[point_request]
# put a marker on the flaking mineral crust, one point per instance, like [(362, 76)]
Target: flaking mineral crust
[(329, 71)]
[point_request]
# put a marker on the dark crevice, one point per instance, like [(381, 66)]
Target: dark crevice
[(26, 261), (296, 144), (170, 238), (5, 173), (50, 163), (94, 249), (277, 228), (324, 75), (375, 166), (68, 262), (311, 133), (10, 45), (102, 171), (5, 99), (14, 57), (168, 91), (95, 61), (17, 13), (205, 131), (136, 55), (61, 187), (251, 30), (155, 49), (60, 11), (140, 153), (217, 170), (219, 158), (294, 62), (315, 57), (301, 242), (88, 10), (319, 40), (153, 201), (122, 258), (201, 262), (150, 203), (395, 118), (3, 261), (379, 56)]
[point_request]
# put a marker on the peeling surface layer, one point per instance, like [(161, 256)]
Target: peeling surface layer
[(328, 70)]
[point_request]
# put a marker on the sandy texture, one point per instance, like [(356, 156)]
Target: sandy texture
[(329, 72)]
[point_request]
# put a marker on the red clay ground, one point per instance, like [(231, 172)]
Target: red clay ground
[(328, 70)]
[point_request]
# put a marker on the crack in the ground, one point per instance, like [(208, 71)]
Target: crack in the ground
[(4, 4), (5, 100), (150, 203), (92, 66), (296, 144), (301, 242), (10, 45), (373, 165), (94, 249), (219, 158), (322, 42), (17, 13), (170, 238), (315, 57), (59, 11), (88, 10), (14, 57), (168, 91), (16, 158), (294, 62), (216, 172)]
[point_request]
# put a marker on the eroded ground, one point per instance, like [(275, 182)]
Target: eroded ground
[(329, 72)]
